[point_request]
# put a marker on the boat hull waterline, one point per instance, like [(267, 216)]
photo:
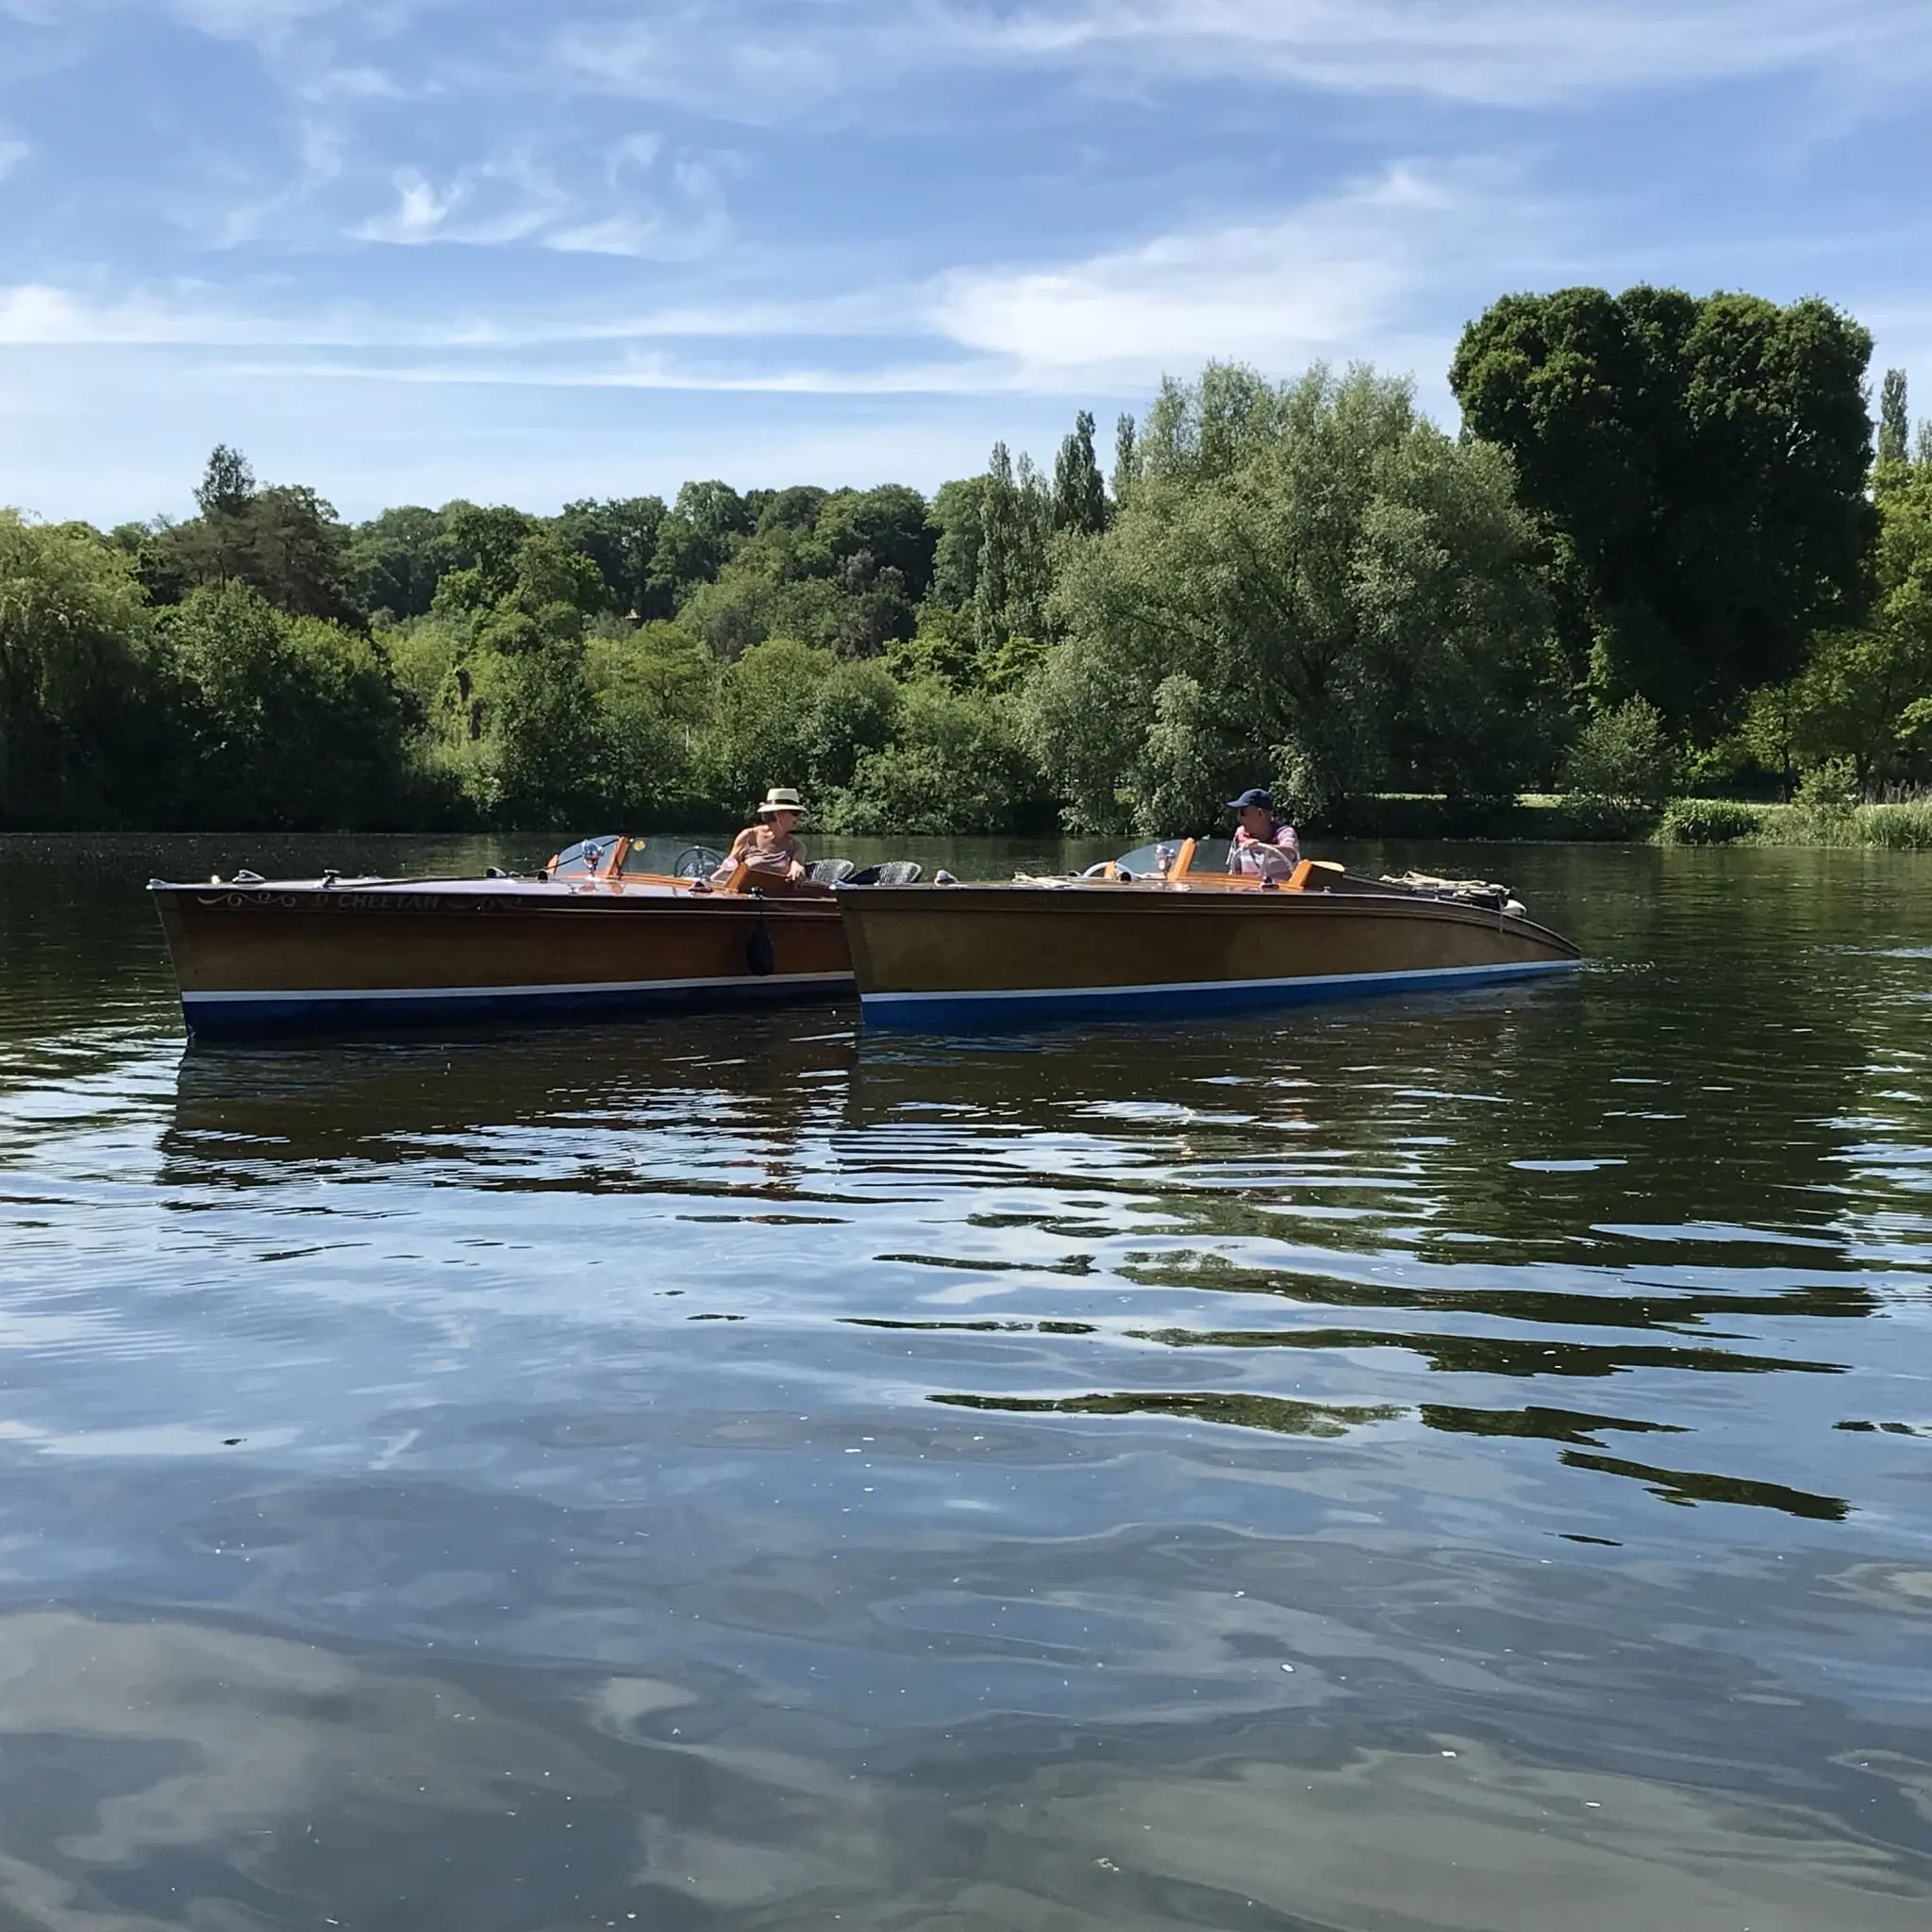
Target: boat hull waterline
[(284, 958), (947, 956)]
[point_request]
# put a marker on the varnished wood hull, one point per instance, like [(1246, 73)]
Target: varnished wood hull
[(948, 955), (278, 958)]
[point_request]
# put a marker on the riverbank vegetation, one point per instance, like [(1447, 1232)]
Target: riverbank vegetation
[(1888, 826), (1660, 563)]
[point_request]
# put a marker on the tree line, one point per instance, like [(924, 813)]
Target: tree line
[(1661, 555)]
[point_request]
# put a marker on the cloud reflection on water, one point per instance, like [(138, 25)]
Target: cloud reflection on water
[(167, 1773)]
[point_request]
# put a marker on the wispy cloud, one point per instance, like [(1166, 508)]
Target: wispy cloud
[(1357, 273), (246, 18), (322, 159), (1347, 275), (276, 24), (1499, 52), (997, 206), (47, 315), (419, 215), (517, 197), (39, 315), (772, 59), (508, 199), (767, 60), (322, 52)]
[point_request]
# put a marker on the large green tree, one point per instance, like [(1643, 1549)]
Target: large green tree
[(697, 537), (74, 675), (957, 513), (395, 560), (620, 535), (1854, 699), (890, 524), (1700, 466), (294, 722), (282, 539), (481, 546), (1309, 585), (787, 713)]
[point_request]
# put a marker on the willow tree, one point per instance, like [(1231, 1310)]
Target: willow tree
[(1310, 585), (75, 636)]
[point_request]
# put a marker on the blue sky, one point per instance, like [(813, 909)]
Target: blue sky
[(525, 250)]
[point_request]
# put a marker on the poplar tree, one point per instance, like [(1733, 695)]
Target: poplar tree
[(1016, 516), (1895, 419), (1126, 457), (1080, 497), (998, 538)]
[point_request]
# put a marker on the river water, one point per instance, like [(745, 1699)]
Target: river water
[(1448, 1463)]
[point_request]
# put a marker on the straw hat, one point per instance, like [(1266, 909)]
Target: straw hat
[(781, 798)]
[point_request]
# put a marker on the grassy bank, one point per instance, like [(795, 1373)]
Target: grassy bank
[(1532, 819), (1904, 827), (1556, 818), (1549, 819)]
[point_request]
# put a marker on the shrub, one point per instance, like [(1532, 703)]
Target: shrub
[(1830, 786), (1625, 759), (1707, 822), (956, 765)]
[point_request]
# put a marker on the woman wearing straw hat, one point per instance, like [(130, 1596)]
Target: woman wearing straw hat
[(771, 847)]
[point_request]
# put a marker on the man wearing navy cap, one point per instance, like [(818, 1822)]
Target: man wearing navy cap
[(1263, 846)]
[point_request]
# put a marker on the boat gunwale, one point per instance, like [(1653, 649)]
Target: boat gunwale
[(1177, 898), (392, 896)]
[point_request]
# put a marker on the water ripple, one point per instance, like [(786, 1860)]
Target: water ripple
[(744, 1473)]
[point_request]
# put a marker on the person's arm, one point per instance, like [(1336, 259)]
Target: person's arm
[(723, 873), (1271, 858)]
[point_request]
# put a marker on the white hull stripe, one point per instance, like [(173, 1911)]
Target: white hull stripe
[(310, 995), (1420, 975)]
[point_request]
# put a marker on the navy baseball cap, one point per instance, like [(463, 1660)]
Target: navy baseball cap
[(1253, 795)]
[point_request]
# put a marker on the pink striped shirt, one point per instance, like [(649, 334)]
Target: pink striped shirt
[(1273, 859)]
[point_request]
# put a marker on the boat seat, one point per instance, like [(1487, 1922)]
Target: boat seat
[(830, 871), (894, 872)]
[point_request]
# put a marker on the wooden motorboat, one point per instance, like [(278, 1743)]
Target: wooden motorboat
[(589, 933), (1179, 942)]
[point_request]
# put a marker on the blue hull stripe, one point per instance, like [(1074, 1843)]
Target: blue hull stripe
[(254, 1015), (929, 1009)]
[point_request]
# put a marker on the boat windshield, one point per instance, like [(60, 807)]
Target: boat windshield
[(1211, 854), (678, 857), (583, 859)]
